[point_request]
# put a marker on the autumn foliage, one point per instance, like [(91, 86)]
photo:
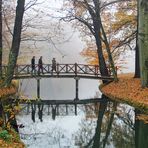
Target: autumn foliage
[(128, 90), (120, 27), (6, 91), (11, 142)]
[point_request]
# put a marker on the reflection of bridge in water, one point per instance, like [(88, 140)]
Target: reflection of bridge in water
[(59, 107)]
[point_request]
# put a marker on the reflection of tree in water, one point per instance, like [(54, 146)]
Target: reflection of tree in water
[(113, 127), (91, 110), (123, 128), (54, 136), (86, 137), (85, 133)]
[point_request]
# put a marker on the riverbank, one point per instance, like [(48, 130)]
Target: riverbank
[(9, 138), (127, 90)]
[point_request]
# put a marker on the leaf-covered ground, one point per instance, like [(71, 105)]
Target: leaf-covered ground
[(128, 90), (4, 144), (13, 142)]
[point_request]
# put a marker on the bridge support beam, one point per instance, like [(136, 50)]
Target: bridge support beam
[(75, 109), (38, 88), (77, 88)]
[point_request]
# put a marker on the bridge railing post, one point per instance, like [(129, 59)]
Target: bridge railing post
[(96, 69), (15, 70), (48, 68), (76, 65), (28, 69), (86, 69), (66, 68), (57, 69), (109, 70)]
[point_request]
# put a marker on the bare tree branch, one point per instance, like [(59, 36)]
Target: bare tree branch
[(86, 23), (113, 2)]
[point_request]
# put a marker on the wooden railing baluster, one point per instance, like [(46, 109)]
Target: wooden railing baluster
[(28, 69), (76, 68), (66, 68), (57, 69)]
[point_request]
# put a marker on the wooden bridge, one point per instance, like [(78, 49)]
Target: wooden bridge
[(62, 71), (75, 71)]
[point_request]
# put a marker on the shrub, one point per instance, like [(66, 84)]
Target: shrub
[(5, 135)]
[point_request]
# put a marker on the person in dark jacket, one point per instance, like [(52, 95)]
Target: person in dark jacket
[(33, 71), (54, 65), (40, 65)]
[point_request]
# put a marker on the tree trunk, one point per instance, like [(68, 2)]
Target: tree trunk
[(1, 45), (102, 64), (143, 40), (16, 41), (1, 109), (137, 64), (137, 60), (111, 61)]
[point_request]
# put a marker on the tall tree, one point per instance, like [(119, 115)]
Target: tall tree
[(15, 41), (143, 40), (1, 38), (88, 14), (120, 28)]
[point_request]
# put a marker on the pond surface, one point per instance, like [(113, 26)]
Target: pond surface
[(103, 124)]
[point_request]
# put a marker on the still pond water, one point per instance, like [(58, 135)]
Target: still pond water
[(103, 124)]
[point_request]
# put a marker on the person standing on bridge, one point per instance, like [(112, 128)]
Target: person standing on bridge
[(40, 65), (33, 71), (54, 65)]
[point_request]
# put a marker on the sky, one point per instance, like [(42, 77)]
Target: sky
[(63, 43)]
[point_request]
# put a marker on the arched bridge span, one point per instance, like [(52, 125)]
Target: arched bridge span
[(62, 71)]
